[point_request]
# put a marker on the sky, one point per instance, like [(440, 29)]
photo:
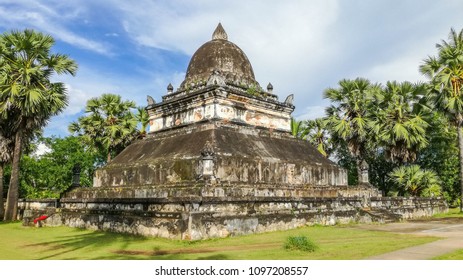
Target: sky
[(136, 48)]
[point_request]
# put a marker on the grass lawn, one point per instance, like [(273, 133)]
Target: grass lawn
[(453, 213), (336, 242), (456, 255)]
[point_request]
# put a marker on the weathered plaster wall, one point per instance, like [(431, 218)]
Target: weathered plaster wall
[(228, 104), (201, 192), (213, 217)]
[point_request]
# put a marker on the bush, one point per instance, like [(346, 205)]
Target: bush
[(414, 181), (301, 243)]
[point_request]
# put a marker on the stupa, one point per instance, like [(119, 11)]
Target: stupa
[(219, 160), (220, 128)]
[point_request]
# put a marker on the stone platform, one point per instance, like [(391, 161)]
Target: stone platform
[(201, 212)]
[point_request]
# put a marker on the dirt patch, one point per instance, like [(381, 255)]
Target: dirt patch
[(448, 220), (436, 226)]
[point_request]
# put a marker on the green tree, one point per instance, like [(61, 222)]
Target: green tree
[(6, 154), (399, 121), (441, 156), (297, 128), (412, 180), (143, 118), (26, 92), (50, 174), (109, 125), (344, 158), (349, 115), (446, 74), (317, 133)]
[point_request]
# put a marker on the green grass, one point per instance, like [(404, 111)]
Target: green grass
[(455, 255), (301, 243), (337, 242), (453, 213)]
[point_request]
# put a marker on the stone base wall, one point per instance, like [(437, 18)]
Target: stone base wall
[(409, 207), (202, 191), (222, 217)]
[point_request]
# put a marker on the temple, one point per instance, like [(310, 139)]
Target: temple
[(220, 160)]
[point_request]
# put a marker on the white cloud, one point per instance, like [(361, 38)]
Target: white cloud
[(311, 113), (284, 41), (90, 83), (180, 25), (401, 69), (46, 19), (41, 150), (77, 100), (113, 34)]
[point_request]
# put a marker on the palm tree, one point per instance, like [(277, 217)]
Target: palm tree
[(316, 132), (400, 120), (6, 153), (297, 128), (143, 118), (414, 181), (26, 66), (446, 74), (109, 125), (349, 115)]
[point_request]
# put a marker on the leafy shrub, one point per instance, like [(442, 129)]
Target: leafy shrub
[(301, 243), (414, 181)]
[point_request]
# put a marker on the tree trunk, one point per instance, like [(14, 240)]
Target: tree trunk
[(11, 211), (460, 146), (108, 158), (359, 170), (2, 212)]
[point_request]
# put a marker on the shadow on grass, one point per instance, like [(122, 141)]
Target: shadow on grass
[(215, 257), (165, 257), (100, 245), (85, 241)]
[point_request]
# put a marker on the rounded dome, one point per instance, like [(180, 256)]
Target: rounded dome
[(222, 56)]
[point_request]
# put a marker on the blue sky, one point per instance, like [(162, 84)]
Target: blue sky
[(136, 48)]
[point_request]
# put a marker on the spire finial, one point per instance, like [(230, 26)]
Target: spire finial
[(219, 33), (270, 87), (170, 88)]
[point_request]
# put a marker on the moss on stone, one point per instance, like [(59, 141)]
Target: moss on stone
[(184, 169)]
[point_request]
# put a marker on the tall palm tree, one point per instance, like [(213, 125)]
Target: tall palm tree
[(26, 92), (109, 125), (446, 74), (6, 154), (400, 120), (349, 115)]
